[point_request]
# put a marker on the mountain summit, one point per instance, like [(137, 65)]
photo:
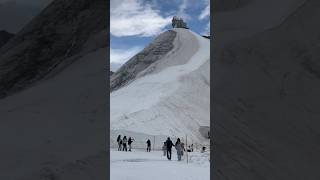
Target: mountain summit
[(164, 89)]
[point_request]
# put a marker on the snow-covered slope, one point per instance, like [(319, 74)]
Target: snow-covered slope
[(236, 19), (266, 95), (55, 120), (174, 98), (53, 95)]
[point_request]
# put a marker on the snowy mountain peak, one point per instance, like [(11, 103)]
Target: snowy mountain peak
[(171, 95)]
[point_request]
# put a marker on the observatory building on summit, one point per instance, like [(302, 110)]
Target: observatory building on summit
[(178, 23)]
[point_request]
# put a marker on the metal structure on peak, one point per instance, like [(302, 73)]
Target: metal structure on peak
[(178, 23)]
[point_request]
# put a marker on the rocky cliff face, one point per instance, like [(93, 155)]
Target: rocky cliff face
[(4, 37), (266, 101), (59, 32), (140, 62)]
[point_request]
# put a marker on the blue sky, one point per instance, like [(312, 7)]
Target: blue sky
[(135, 23)]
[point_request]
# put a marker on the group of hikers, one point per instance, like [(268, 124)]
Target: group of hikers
[(167, 146), (122, 143)]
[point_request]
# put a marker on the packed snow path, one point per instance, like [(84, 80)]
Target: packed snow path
[(140, 165)]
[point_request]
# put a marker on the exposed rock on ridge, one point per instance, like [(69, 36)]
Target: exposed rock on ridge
[(152, 53), (58, 33)]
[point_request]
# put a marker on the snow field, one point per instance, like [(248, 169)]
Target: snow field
[(140, 165)]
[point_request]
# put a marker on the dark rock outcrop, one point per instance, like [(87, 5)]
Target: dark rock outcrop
[(59, 32), (5, 37), (152, 53), (266, 101), (208, 37)]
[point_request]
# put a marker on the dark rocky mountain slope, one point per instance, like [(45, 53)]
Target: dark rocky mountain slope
[(141, 61), (59, 32)]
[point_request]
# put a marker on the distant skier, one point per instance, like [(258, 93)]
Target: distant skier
[(130, 140), (179, 149), (164, 148), (119, 144), (169, 147), (148, 145), (191, 147), (124, 143)]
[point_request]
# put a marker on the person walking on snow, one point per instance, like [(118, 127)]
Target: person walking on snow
[(119, 144), (179, 149), (129, 142), (169, 145), (182, 148), (164, 148), (124, 143), (148, 145)]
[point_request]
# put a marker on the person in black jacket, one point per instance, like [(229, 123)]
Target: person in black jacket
[(119, 142), (169, 148), (130, 140), (148, 145), (124, 143)]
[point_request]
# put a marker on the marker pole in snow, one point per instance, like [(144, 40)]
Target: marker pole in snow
[(186, 147), (154, 141)]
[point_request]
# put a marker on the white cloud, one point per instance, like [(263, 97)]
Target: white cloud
[(207, 29), (133, 17), (206, 12), (120, 56), (182, 10)]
